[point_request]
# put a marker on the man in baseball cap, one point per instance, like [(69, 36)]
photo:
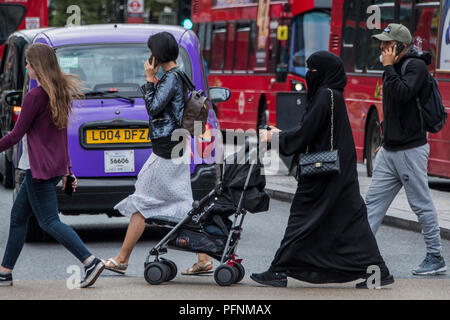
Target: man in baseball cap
[(395, 32), (403, 156)]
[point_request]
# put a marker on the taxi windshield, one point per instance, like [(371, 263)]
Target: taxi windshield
[(112, 67)]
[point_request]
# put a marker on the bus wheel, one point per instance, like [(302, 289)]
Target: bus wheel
[(373, 141)]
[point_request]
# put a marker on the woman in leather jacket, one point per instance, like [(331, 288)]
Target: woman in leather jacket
[(163, 186)]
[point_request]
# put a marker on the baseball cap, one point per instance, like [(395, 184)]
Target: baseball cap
[(394, 31)]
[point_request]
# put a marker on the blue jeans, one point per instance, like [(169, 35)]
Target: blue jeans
[(38, 197)]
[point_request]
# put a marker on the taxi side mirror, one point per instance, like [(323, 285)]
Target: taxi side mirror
[(218, 94), (14, 98)]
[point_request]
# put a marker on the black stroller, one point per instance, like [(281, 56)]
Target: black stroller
[(207, 228)]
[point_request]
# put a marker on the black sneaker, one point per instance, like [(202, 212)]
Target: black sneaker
[(92, 272), (387, 280), (6, 280), (268, 278)]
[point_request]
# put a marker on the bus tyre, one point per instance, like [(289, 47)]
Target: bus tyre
[(373, 141)]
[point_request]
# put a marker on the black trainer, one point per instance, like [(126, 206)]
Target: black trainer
[(385, 281), (6, 280), (268, 278), (92, 271)]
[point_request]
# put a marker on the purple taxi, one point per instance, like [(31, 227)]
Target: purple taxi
[(108, 129)]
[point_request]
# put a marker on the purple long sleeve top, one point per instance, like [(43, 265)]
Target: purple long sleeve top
[(47, 145)]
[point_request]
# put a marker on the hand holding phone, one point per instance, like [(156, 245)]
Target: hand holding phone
[(399, 48), (68, 188), (153, 61), (151, 69)]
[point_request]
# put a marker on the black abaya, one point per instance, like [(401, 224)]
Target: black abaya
[(328, 237)]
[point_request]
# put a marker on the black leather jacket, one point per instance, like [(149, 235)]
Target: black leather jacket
[(165, 104)]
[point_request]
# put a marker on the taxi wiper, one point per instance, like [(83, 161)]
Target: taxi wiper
[(108, 93)]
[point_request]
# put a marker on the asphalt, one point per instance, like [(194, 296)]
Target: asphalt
[(204, 288)]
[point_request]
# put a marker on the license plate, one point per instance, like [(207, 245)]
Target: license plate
[(112, 136), (119, 161)]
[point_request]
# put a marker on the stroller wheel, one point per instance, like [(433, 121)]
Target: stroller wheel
[(240, 270), (173, 270), (156, 273), (225, 275)]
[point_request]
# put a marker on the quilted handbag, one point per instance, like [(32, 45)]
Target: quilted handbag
[(321, 163)]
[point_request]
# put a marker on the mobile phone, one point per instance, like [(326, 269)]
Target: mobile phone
[(400, 48), (69, 188), (151, 60)]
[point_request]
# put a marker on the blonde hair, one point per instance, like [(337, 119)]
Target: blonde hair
[(61, 88)]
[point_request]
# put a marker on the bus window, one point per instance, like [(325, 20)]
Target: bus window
[(207, 44), (242, 47), (218, 47), (360, 53), (229, 54), (405, 13), (444, 38), (351, 19), (387, 16), (425, 30), (307, 31), (11, 16), (201, 32), (252, 46)]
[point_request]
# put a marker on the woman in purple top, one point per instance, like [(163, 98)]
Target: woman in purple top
[(44, 119)]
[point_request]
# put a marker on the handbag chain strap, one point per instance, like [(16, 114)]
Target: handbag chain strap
[(332, 122)]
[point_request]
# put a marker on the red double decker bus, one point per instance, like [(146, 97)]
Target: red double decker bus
[(350, 39), (257, 49), (21, 14)]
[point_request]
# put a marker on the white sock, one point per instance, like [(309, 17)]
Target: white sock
[(89, 261)]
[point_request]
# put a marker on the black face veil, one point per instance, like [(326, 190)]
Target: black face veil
[(330, 73)]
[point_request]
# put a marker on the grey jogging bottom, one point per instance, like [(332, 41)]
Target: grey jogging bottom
[(407, 168)]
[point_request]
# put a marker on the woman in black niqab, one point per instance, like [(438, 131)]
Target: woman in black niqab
[(328, 238)]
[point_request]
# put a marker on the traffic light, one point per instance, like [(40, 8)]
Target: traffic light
[(184, 13)]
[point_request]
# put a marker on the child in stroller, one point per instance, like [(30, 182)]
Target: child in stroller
[(207, 227)]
